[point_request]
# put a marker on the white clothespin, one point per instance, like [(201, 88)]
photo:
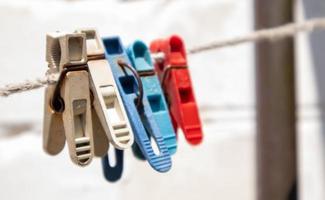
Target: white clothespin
[(67, 104), (107, 102)]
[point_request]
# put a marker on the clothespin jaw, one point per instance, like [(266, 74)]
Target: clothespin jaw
[(94, 46), (140, 57), (77, 111), (107, 101), (137, 108), (66, 54), (72, 50), (176, 81), (53, 129)]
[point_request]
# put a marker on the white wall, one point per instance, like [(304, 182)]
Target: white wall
[(311, 98)]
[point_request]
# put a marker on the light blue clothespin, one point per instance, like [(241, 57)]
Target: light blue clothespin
[(140, 57), (137, 108)]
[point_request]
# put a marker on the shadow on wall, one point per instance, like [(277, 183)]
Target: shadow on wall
[(11, 129), (313, 9)]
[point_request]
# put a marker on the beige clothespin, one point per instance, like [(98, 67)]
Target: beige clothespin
[(69, 100), (107, 101), (53, 130)]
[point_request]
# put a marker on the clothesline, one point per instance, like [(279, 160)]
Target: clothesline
[(272, 34)]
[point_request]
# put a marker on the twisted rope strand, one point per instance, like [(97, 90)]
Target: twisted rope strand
[(28, 85), (272, 34)]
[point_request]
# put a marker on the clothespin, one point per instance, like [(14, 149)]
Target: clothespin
[(67, 104), (140, 57), (107, 105), (107, 101), (113, 173), (175, 79), (137, 107)]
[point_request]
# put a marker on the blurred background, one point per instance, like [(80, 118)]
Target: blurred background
[(223, 166)]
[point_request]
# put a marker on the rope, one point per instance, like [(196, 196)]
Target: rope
[(28, 85), (272, 34)]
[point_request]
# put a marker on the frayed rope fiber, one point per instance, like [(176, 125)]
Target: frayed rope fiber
[(27, 85)]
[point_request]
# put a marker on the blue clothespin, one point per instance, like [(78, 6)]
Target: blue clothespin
[(137, 151), (140, 57), (137, 108), (113, 173)]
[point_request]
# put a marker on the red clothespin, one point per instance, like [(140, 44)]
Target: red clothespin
[(176, 81)]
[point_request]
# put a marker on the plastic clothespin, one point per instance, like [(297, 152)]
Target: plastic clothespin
[(67, 113), (140, 57), (107, 101), (108, 106), (113, 173), (137, 108), (175, 79)]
